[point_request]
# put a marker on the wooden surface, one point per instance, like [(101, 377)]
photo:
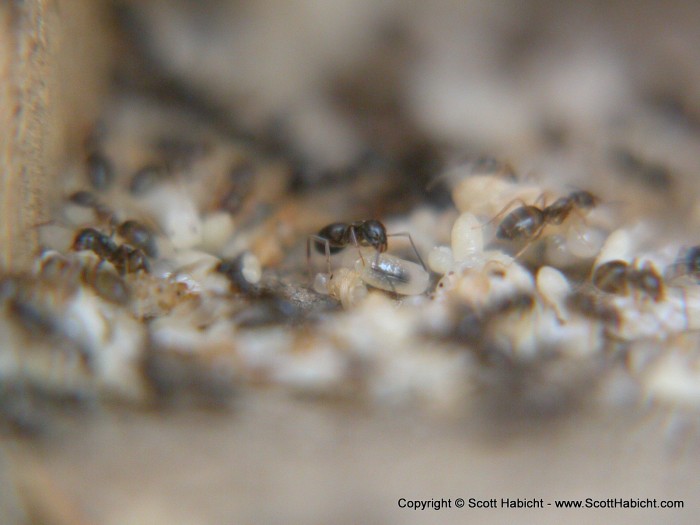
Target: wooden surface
[(53, 60)]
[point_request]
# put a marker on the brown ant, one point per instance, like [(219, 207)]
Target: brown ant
[(527, 222), (125, 258), (688, 264), (54, 267), (617, 277), (333, 238)]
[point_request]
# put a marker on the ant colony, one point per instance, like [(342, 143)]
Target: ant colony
[(192, 282)]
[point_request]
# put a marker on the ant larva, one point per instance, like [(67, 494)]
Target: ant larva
[(333, 238), (125, 258), (527, 222), (394, 274), (617, 277), (385, 272)]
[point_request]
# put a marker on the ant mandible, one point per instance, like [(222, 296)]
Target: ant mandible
[(527, 222), (338, 235)]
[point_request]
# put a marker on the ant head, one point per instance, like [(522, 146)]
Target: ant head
[(374, 233), (87, 239), (584, 199)]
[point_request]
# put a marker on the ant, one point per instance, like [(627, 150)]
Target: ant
[(125, 258), (527, 222), (688, 263), (617, 277), (333, 238)]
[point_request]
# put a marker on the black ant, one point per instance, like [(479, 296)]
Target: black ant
[(333, 238), (125, 258), (617, 277), (527, 222)]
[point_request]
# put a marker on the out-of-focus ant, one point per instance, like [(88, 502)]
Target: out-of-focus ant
[(333, 238), (687, 264), (618, 277), (125, 258), (527, 222)]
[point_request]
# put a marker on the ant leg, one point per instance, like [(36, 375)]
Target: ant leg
[(357, 244), (542, 199), (327, 247), (530, 241), (413, 245)]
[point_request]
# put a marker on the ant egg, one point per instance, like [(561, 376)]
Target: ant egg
[(321, 283), (390, 273), (585, 243), (440, 259), (467, 237)]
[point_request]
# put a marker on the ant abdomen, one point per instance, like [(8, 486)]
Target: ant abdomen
[(521, 224)]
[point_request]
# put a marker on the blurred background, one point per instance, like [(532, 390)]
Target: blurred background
[(565, 89)]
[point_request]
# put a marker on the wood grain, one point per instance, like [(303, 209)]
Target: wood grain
[(54, 57)]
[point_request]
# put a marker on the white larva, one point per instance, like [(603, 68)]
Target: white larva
[(217, 229), (487, 194), (467, 237), (344, 285), (617, 246), (440, 259), (554, 287), (393, 274)]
